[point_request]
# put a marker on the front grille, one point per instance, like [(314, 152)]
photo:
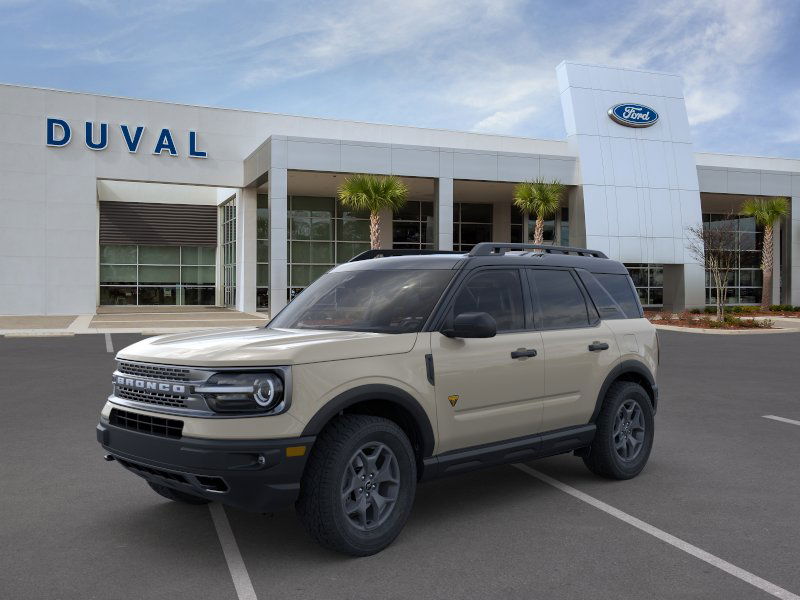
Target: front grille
[(149, 397), (171, 428), (145, 470), (154, 371)]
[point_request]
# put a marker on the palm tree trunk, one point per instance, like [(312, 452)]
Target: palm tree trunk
[(538, 232), (374, 230), (766, 267)]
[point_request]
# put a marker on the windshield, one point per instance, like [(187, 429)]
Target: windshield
[(391, 301)]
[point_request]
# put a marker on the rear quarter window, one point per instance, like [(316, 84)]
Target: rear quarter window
[(620, 288)]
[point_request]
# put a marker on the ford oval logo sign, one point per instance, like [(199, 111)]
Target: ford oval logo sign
[(633, 115)]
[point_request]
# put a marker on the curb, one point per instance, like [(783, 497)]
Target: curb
[(724, 331)]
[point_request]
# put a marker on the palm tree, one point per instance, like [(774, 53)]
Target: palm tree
[(541, 198), (766, 211), (372, 193)]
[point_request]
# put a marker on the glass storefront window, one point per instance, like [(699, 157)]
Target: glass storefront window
[(472, 224), (649, 282), (413, 226), (157, 275), (322, 233), (745, 280), (556, 231), (228, 236), (262, 252)]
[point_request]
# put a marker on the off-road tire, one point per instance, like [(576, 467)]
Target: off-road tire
[(603, 458), (320, 505), (176, 495)]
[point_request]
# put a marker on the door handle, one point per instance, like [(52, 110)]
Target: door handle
[(597, 346), (523, 353)]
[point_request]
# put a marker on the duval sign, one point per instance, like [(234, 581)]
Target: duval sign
[(59, 134), (633, 115)]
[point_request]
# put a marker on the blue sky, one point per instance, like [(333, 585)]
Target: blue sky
[(478, 65)]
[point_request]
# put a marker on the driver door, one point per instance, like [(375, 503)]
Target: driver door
[(483, 394)]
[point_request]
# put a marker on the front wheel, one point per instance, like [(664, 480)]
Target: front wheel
[(359, 485), (625, 429)]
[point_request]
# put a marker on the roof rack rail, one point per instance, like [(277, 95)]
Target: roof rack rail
[(383, 252), (489, 248)]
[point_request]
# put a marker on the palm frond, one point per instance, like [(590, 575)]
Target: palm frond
[(372, 193), (765, 211), (539, 197)]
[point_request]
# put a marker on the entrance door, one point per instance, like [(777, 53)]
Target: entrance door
[(483, 393)]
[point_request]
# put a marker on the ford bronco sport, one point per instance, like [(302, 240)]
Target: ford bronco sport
[(396, 367)]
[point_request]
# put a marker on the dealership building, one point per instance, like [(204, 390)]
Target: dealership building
[(113, 201)]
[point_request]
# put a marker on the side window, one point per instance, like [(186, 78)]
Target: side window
[(497, 292), (620, 288), (561, 302), (606, 305)]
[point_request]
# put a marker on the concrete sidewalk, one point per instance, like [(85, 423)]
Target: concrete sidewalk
[(146, 320)]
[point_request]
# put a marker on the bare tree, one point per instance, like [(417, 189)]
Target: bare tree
[(714, 245)]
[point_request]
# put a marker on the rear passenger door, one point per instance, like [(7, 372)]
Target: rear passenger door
[(489, 389), (579, 349)]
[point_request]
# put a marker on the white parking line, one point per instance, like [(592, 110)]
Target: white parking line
[(109, 344), (241, 580), (782, 419), (746, 576)]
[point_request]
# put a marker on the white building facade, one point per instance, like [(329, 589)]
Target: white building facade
[(117, 201)]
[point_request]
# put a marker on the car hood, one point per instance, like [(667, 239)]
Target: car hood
[(260, 346)]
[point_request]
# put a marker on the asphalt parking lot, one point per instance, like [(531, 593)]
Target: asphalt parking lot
[(721, 477)]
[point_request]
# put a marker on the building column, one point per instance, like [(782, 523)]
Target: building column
[(386, 238), (246, 249), (278, 235), (501, 222), (684, 287), (793, 270), (443, 211)]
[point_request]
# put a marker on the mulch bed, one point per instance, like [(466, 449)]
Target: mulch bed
[(703, 321)]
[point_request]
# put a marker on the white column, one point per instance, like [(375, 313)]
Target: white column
[(793, 269), (278, 235), (385, 240), (443, 211), (246, 249), (501, 222)]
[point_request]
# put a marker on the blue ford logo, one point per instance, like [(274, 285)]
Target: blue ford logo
[(633, 115)]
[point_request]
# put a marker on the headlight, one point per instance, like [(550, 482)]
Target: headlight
[(243, 392)]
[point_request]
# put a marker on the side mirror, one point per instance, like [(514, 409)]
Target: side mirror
[(472, 325)]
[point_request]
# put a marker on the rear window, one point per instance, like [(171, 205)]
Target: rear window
[(621, 290)]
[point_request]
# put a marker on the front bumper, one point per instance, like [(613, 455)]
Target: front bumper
[(253, 475)]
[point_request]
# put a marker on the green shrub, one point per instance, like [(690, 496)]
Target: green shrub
[(710, 310), (695, 311)]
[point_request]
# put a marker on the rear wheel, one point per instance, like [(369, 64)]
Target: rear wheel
[(359, 485), (625, 429), (176, 495)]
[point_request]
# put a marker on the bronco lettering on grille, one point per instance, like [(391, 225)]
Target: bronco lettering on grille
[(155, 386)]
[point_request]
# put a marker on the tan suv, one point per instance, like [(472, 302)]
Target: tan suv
[(392, 368)]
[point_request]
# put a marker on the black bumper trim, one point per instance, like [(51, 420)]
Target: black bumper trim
[(253, 475)]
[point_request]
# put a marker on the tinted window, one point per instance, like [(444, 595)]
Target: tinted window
[(605, 304), (560, 299), (619, 287), (390, 301), (497, 292)]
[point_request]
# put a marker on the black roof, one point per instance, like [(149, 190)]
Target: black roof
[(487, 253)]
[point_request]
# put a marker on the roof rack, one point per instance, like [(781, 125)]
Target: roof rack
[(489, 248), (383, 252)]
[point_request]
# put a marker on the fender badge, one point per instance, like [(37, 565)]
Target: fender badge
[(453, 399)]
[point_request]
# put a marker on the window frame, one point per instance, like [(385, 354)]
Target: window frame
[(593, 317), (441, 313)]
